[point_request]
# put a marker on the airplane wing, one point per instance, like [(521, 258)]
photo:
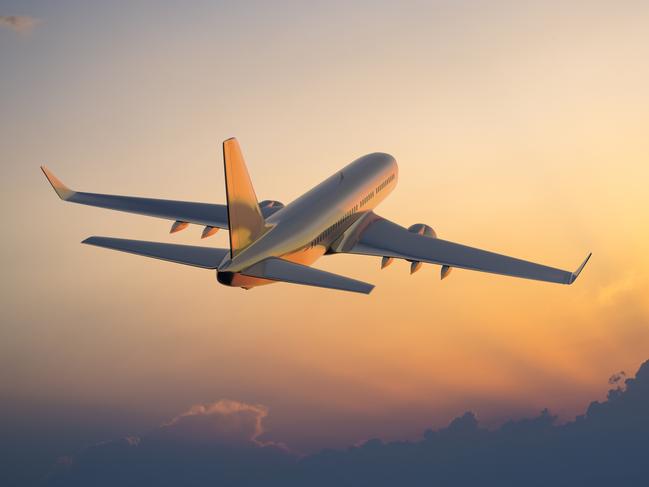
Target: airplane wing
[(207, 214), (374, 235)]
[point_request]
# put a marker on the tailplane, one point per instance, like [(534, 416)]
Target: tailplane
[(244, 215), (277, 269), (205, 257)]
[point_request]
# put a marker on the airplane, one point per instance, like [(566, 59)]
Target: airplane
[(271, 242)]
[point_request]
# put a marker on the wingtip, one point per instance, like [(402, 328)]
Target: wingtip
[(575, 274), (61, 189)]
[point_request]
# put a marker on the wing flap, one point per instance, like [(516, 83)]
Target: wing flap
[(282, 270), (384, 238), (204, 257)]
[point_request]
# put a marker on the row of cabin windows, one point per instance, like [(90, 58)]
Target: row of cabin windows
[(385, 183), (366, 199), (362, 203), (335, 226)]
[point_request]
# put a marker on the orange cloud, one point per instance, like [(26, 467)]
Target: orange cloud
[(234, 421)]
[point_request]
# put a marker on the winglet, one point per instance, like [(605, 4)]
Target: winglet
[(61, 189), (575, 274)]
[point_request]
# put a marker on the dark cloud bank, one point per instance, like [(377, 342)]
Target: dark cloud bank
[(219, 444)]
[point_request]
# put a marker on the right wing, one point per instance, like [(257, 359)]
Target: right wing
[(374, 235), (207, 214)]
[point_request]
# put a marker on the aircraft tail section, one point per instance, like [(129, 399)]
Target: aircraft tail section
[(244, 215)]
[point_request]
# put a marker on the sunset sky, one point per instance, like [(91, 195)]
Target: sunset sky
[(519, 127)]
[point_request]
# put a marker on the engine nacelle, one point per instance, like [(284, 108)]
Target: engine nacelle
[(422, 229), (268, 207), (426, 231), (271, 204)]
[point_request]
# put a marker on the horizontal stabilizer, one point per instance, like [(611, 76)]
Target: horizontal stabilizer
[(282, 270), (205, 257)]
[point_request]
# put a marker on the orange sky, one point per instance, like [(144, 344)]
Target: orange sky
[(517, 127)]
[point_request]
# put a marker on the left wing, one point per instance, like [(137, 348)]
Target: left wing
[(211, 215), (207, 214), (374, 235)]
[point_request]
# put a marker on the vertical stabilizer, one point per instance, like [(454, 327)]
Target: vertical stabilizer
[(244, 215)]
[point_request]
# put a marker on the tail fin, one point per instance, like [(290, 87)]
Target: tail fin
[(244, 215)]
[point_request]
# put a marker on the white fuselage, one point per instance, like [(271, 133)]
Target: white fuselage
[(305, 229)]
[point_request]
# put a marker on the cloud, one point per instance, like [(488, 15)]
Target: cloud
[(218, 444), (604, 447), (617, 378), (209, 442), (225, 421), (18, 23)]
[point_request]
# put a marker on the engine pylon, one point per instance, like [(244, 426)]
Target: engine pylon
[(177, 226), (209, 231)]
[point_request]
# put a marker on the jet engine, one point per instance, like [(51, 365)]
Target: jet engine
[(422, 229), (268, 207), (426, 231)]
